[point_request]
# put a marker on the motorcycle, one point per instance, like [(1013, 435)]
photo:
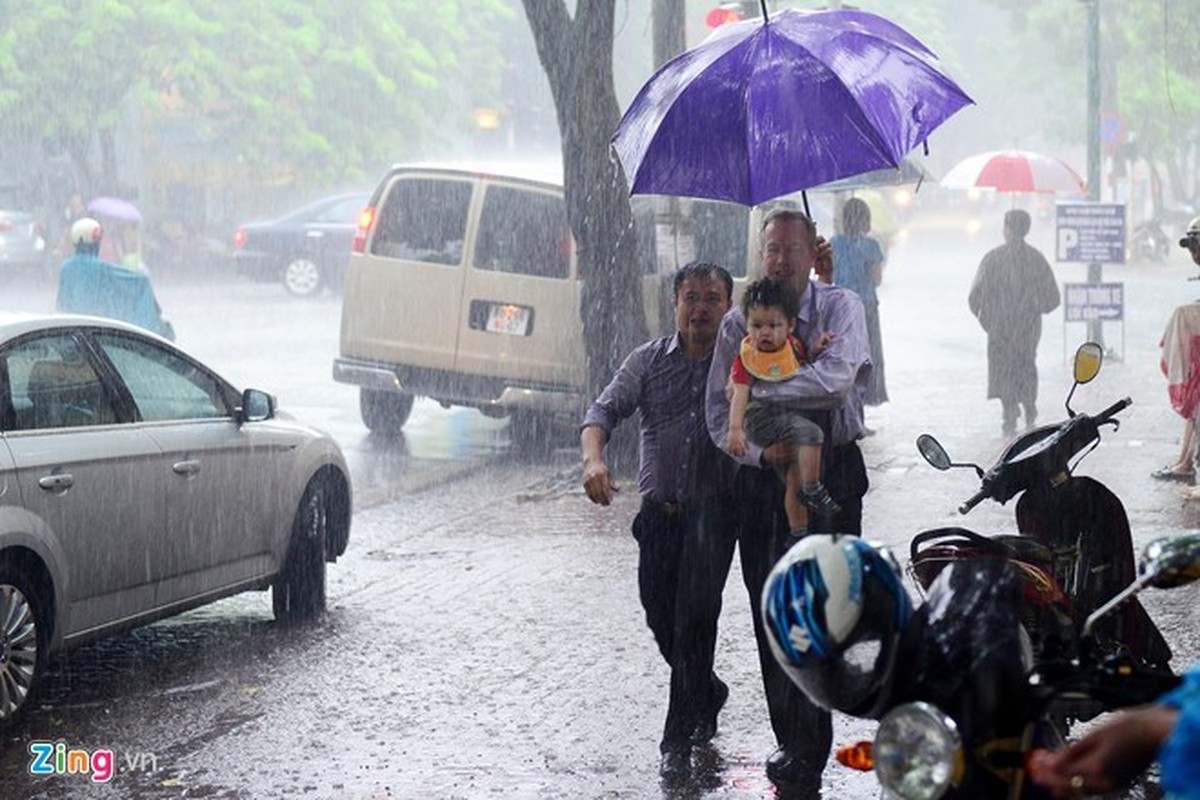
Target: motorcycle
[(1074, 546), (1022, 635), (970, 704), (1148, 242)]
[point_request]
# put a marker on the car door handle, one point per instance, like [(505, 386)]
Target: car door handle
[(314, 234), (58, 482), (188, 468)]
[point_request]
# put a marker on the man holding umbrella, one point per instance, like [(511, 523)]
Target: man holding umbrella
[(830, 390), (748, 116)]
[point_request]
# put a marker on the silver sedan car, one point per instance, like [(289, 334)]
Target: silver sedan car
[(136, 483)]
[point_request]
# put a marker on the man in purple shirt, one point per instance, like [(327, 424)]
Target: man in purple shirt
[(686, 526), (830, 391)]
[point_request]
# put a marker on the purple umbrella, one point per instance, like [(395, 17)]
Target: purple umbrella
[(766, 107), (115, 208)]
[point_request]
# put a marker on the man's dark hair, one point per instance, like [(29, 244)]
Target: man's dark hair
[(767, 293), (703, 269)]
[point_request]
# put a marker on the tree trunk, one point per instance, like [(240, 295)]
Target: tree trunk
[(577, 56)]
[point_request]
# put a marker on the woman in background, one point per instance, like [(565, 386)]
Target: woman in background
[(858, 266)]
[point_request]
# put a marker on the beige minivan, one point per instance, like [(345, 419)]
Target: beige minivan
[(462, 286)]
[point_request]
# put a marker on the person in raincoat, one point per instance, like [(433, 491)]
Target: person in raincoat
[(1013, 288), (1180, 363), (1110, 757), (90, 285)]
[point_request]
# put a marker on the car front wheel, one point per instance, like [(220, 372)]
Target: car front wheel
[(302, 276), (23, 642), (299, 592)]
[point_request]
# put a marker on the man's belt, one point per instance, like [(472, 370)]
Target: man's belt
[(667, 509)]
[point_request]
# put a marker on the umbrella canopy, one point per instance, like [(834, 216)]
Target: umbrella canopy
[(770, 106), (115, 208), (1014, 171)]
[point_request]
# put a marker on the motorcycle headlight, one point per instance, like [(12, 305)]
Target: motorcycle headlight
[(918, 752)]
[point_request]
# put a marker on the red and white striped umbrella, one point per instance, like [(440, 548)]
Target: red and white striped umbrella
[(1014, 171)]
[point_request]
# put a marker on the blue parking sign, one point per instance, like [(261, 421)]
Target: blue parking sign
[(1090, 233)]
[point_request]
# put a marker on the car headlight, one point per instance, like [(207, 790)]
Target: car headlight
[(918, 752)]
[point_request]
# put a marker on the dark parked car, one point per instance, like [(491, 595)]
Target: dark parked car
[(307, 249), (22, 239)]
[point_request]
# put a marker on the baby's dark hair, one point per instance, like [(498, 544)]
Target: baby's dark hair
[(767, 293)]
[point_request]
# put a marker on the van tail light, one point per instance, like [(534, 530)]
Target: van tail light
[(365, 220), (239, 239)]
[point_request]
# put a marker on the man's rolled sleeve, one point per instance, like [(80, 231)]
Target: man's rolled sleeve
[(621, 398)]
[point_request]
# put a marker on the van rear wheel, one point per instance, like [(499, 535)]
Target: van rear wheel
[(384, 412)]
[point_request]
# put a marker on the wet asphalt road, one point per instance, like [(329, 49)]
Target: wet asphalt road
[(484, 638)]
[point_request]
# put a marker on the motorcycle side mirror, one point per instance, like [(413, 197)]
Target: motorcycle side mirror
[(1166, 563), (1172, 561), (1088, 359), (933, 452)]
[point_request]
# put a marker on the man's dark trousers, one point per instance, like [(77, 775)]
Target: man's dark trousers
[(684, 554), (800, 727)]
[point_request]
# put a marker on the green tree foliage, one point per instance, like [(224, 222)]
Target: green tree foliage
[(307, 91), (1149, 60)]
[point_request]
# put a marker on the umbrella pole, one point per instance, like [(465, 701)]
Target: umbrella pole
[(763, 5), (804, 197)]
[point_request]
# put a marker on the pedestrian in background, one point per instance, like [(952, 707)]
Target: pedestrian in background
[(1013, 288), (830, 390), (685, 529), (90, 285), (859, 259), (1181, 364)]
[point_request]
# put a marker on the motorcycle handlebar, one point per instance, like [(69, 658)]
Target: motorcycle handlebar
[(1113, 410), (973, 501)]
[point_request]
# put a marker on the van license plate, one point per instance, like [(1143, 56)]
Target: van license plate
[(510, 319)]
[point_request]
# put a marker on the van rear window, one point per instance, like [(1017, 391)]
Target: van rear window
[(524, 233), (423, 219)]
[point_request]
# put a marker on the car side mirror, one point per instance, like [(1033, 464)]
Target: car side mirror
[(256, 406)]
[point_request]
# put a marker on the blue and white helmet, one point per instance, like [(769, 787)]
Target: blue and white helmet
[(833, 608)]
